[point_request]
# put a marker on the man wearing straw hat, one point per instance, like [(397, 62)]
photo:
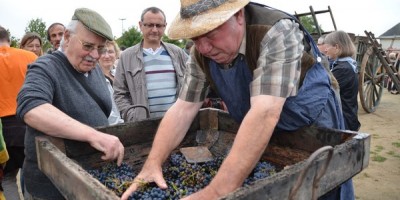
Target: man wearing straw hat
[(254, 58), (65, 95)]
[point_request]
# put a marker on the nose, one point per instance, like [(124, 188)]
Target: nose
[(203, 46), (154, 28), (95, 54)]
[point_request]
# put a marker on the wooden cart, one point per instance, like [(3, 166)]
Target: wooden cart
[(373, 64), (310, 161), (375, 67)]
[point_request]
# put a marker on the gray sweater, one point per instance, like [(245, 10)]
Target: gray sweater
[(49, 80)]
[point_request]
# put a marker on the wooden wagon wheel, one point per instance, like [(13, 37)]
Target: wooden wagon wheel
[(370, 82)]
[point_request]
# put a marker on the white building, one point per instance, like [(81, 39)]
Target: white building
[(390, 40)]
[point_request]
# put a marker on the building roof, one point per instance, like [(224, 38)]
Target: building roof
[(394, 32)]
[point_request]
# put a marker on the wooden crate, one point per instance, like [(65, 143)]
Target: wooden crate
[(66, 162)]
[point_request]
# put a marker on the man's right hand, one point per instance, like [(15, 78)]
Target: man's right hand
[(110, 145), (150, 173)]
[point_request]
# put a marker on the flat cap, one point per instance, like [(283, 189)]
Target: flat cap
[(94, 22)]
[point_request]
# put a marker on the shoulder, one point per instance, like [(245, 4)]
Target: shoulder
[(28, 55), (130, 51), (48, 62), (171, 46), (342, 67), (342, 64), (174, 49)]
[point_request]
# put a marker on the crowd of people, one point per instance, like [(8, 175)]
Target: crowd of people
[(251, 64)]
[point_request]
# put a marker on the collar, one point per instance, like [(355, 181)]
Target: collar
[(242, 51), (349, 60), (242, 48), (151, 51)]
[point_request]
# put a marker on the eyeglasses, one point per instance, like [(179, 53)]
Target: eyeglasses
[(90, 47), (151, 25)]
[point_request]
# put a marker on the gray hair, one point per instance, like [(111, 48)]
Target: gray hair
[(71, 27), (342, 39), (153, 10)]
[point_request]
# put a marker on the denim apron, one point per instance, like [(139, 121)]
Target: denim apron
[(316, 103)]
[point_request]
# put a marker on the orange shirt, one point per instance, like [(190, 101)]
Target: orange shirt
[(13, 66)]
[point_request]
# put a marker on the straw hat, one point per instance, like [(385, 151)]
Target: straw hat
[(198, 17)]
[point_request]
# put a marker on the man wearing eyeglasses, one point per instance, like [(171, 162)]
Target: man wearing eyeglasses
[(149, 74), (65, 95)]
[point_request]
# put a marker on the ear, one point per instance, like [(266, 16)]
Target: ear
[(67, 36), (240, 16), (140, 26)]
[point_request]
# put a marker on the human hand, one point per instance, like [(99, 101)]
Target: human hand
[(208, 193), (110, 145), (214, 103), (150, 173)]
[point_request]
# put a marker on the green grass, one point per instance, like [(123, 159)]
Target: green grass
[(379, 148), (396, 144), (378, 158), (375, 136), (392, 153)]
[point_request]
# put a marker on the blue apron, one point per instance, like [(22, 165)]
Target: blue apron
[(317, 103)]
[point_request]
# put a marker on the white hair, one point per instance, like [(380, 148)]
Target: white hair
[(71, 27)]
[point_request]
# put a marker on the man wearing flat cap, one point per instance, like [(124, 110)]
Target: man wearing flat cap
[(65, 95), (254, 58)]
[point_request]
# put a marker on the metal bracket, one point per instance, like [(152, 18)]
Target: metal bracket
[(317, 177)]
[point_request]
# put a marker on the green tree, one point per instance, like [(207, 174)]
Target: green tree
[(309, 25), (179, 43), (130, 37), (38, 26), (133, 36), (13, 40)]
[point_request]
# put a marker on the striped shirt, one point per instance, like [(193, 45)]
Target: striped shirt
[(160, 81)]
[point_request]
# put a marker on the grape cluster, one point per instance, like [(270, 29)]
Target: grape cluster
[(118, 179), (182, 178)]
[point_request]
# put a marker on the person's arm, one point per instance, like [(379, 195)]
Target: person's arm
[(122, 95), (251, 140), (171, 132), (121, 92), (51, 121)]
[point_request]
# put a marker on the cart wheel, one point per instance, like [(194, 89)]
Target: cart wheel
[(370, 82)]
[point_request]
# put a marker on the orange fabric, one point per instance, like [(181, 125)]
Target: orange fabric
[(13, 66)]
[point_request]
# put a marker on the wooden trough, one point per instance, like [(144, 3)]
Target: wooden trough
[(307, 164)]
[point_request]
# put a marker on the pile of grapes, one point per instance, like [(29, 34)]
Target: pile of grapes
[(182, 178)]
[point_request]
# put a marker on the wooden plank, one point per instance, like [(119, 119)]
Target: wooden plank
[(69, 178)]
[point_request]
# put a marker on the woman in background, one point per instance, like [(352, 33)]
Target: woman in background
[(107, 63), (32, 42), (340, 49)]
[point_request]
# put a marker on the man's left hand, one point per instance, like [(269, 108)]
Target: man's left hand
[(207, 193)]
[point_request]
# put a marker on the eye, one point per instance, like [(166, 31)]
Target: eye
[(88, 47), (102, 50)]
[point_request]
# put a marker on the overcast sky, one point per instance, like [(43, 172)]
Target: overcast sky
[(351, 16)]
